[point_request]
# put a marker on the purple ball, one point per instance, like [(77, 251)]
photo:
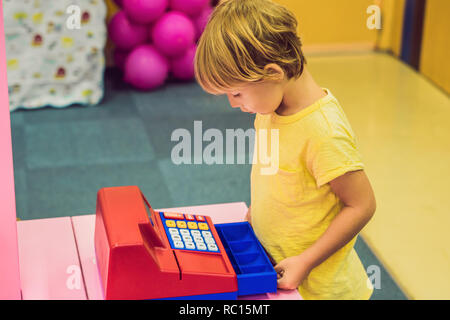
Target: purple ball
[(190, 7), (201, 20), (183, 66), (173, 34), (146, 68), (125, 34), (145, 11)]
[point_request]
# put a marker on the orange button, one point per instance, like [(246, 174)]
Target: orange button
[(181, 224), (170, 223), (170, 215), (189, 217), (192, 225), (200, 218), (203, 226)]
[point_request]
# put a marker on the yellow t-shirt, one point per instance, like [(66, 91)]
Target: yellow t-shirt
[(292, 208)]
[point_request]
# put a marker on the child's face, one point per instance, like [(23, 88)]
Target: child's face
[(260, 97)]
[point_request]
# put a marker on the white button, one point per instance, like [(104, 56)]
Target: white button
[(201, 246), (184, 231), (173, 231), (198, 239), (178, 244), (195, 233), (175, 237), (210, 240), (207, 234), (187, 238), (190, 245), (212, 247)]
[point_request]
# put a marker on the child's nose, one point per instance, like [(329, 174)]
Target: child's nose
[(233, 104)]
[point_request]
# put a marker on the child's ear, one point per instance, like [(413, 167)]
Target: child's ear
[(274, 72)]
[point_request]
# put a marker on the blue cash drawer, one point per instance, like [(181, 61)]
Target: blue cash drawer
[(255, 273)]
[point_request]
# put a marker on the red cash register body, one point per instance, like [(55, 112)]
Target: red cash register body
[(136, 260)]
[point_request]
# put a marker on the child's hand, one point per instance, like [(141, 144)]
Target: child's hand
[(291, 272), (248, 216)]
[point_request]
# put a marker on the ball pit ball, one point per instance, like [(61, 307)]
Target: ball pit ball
[(173, 34), (182, 67), (156, 37), (146, 68), (201, 20), (126, 34), (190, 7), (144, 11)]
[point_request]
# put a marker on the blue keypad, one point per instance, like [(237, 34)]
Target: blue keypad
[(189, 234)]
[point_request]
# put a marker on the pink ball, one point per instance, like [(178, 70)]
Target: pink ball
[(125, 34), (183, 66), (146, 68), (201, 20), (120, 58), (173, 34), (190, 7), (145, 11)]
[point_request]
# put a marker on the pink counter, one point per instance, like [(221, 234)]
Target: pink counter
[(57, 257), (9, 263)]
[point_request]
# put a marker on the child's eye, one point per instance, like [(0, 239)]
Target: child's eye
[(236, 95)]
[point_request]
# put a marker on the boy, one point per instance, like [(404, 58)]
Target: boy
[(308, 214)]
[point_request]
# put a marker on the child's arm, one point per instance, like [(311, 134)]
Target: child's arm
[(248, 216), (355, 191)]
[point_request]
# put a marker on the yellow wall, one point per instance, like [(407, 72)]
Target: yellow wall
[(434, 62), (331, 24), (109, 48), (391, 35), (342, 25), (112, 9)]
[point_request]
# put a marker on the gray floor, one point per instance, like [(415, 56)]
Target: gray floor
[(63, 156)]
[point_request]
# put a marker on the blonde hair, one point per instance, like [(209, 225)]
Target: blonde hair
[(241, 38)]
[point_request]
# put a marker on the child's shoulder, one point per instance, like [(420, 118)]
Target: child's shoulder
[(323, 120), (328, 121)]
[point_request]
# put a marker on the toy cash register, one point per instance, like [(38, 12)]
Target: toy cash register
[(143, 254)]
